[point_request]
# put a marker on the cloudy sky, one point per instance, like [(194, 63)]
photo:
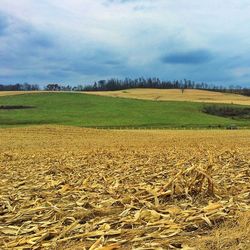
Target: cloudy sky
[(80, 41)]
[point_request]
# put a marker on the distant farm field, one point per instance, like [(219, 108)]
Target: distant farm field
[(10, 93), (190, 95), (75, 188), (107, 112)]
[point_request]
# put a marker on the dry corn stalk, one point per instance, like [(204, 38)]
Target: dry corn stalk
[(64, 186), (191, 181)]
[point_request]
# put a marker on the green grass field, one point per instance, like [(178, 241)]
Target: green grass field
[(98, 111)]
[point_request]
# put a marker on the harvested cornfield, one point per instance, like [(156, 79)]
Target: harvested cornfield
[(188, 95), (73, 188)]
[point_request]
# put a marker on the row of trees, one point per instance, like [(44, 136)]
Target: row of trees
[(127, 83), (33, 87), (116, 84), (19, 87)]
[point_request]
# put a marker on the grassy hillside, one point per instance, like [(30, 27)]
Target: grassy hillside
[(98, 111), (192, 95)]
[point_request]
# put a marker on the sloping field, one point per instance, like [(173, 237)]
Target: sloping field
[(100, 111), (191, 95), (10, 93), (73, 188)]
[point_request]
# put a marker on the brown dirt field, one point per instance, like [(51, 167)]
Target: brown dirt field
[(74, 188), (176, 95)]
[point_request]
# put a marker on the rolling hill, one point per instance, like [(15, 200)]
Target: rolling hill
[(83, 110), (190, 95)]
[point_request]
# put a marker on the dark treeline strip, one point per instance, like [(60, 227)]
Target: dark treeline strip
[(116, 84), (127, 83), (19, 87)]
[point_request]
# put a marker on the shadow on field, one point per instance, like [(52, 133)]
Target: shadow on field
[(11, 107)]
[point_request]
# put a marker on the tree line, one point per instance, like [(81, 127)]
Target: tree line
[(127, 83), (19, 87)]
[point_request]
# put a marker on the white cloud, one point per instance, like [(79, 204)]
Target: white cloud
[(136, 34)]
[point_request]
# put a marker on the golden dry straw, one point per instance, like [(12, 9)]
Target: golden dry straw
[(73, 188)]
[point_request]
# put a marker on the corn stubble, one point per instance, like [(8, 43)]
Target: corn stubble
[(72, 188)]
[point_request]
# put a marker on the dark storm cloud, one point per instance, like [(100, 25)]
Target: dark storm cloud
[(21, 49), (96, 62), (35, 55), (189, 57), (40, 40), (4, 23)]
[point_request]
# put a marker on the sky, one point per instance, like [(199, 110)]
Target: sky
[(82, 41)]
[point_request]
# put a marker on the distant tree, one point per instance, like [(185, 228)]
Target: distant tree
[(53, 87)]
